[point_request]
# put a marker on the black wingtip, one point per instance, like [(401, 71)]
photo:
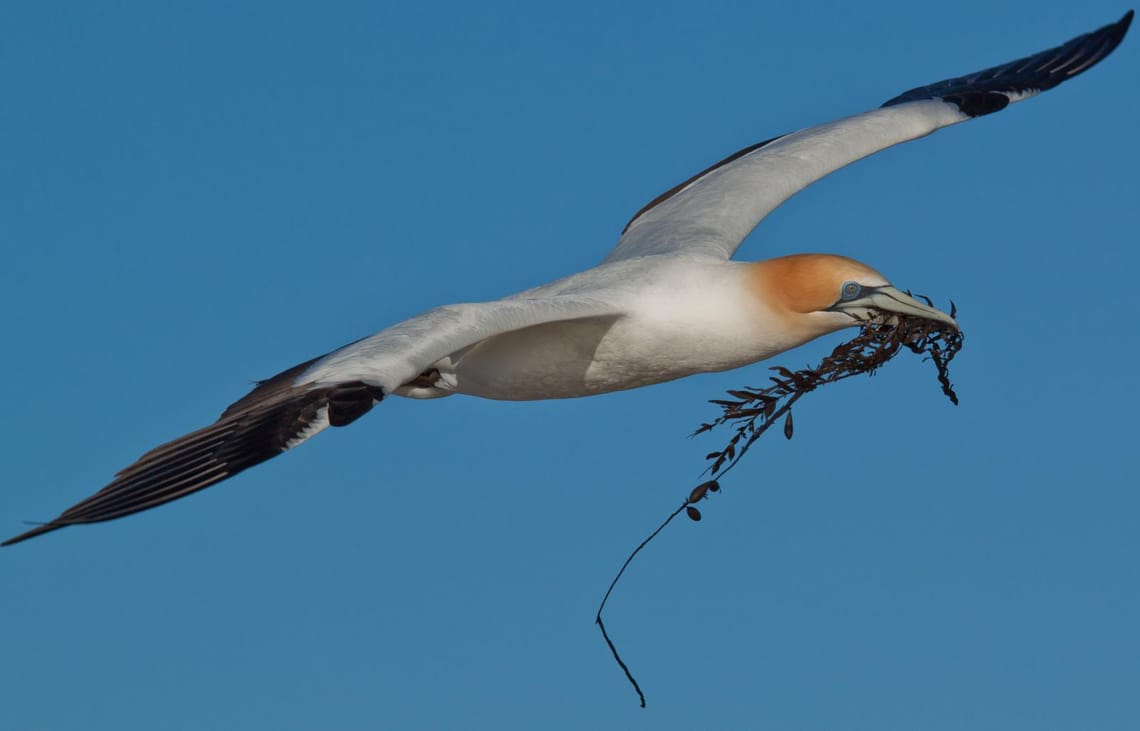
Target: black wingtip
[(1120, 28), (39, 530), (275, 418), (976, 94)]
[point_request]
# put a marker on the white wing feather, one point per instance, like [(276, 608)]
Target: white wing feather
[(397, 354), (714, 212)]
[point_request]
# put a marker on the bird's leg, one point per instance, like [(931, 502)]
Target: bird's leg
[(427, 379)]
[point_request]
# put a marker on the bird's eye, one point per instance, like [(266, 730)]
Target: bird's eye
[(850, 291)]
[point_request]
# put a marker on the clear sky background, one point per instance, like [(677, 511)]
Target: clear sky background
[(193, 197)]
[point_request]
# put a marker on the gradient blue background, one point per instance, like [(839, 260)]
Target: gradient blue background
[(194, 197)]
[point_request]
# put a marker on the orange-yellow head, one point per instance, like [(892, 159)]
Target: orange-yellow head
[(815, 294)]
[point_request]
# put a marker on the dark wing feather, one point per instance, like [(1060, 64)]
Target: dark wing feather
[(685, 183), (272, 419), (984, 92)]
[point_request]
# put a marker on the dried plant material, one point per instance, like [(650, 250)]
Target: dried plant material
[(698, 493), (752, 410)]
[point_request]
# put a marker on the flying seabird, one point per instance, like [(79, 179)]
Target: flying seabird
[(667, 302)]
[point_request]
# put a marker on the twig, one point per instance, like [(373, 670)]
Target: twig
[(598, 618), (754, 410)]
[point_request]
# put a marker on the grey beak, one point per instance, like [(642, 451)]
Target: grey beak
[(889, 299)]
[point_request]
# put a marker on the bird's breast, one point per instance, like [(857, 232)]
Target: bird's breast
[(683, 325)]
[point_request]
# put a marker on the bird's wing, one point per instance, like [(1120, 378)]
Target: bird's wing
[(713, 211), (333, 390)]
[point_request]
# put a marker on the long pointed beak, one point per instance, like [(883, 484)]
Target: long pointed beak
[(889, 299)]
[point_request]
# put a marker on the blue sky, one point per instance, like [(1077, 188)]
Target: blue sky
[(194, 197)]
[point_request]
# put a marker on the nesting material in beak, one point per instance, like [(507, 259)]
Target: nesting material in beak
[(888, 299)]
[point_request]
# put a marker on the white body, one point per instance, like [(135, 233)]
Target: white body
[(679, 315)]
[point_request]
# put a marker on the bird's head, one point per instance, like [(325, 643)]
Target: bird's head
[(816, 294)]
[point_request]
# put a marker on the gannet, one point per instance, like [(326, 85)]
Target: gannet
[(667, 302)]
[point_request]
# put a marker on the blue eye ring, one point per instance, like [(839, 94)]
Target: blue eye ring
[(850, 291)]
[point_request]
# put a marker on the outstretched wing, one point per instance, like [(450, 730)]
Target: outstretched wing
[(286, 410), (713, 211)]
